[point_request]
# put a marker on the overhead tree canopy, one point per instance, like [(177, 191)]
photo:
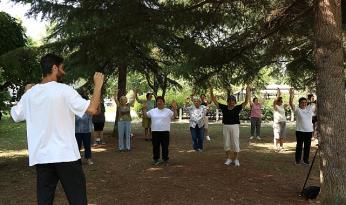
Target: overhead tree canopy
[(12, 33), (12, 37)]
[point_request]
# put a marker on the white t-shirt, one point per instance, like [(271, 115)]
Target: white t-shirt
[(279, 114), (160, 119), (304, 119), (49, 110)]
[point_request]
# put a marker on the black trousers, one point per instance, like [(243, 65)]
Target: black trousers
[(303, 138), (85, 139), (72, 179), (160, 138)]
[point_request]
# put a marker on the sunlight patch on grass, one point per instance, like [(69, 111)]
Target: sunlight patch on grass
[(98, 149), (153, 169), (14, 153), (178, 166), (187, 151), (270, 145), (289, 148)]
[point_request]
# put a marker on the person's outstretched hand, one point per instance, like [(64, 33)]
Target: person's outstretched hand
[(144, 106), (174, 105), (98, 79)]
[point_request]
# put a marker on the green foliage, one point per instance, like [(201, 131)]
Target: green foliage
[(11, 33), (12, 37), (4, 97), (228, 42), (11, 73), (20, 67)]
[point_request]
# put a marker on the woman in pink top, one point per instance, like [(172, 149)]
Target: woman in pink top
[(256, 118)]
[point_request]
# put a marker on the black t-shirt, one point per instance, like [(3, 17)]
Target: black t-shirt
[(230, 117)]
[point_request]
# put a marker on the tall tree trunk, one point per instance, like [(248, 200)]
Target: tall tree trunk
[(331, 100), (122, 75)]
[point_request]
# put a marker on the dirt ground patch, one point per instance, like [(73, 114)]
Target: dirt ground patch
[(264, 177)]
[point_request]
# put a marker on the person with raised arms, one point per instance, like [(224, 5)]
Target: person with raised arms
[(124, 122), (204, 101), (161, 118), (304, 127), (146, 122), (231, 122), (279, 122), (49, 109), (255, 118), (197, 113)]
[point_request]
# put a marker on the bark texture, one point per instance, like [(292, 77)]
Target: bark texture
[(328, 53)]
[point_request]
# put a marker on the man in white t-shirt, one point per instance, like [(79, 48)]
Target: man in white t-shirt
[(304, 128), (49, 109)]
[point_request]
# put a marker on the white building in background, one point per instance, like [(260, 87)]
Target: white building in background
[(269, 92)]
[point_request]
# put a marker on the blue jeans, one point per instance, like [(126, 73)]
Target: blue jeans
[(85, 139), (124, 135), (197, 134)]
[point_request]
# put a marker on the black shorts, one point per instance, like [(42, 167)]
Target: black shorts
[(98, 126)]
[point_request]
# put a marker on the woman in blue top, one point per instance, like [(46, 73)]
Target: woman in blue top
[(83, 135), (83, 128)]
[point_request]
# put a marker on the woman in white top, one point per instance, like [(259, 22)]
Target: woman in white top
[(279, 122), (161, 118), (204, 101), (197, 114), (304, 128)]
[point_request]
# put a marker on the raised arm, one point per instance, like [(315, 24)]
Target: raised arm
[(95, 99), (248, 91), (278, 95), (291, 98), (133, 98), (136, 96), (213, 98), (116, 98), (144, 110), (174, 109), (250, 98)]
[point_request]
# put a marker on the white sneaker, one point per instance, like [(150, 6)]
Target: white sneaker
[(207, 137), (228, 162), (251, 137), (236, 163), (258, 137)]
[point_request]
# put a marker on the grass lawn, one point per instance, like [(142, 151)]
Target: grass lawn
[(264, 177)]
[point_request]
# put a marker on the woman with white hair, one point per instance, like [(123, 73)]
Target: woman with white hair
[(197, 114), (124, 123)]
